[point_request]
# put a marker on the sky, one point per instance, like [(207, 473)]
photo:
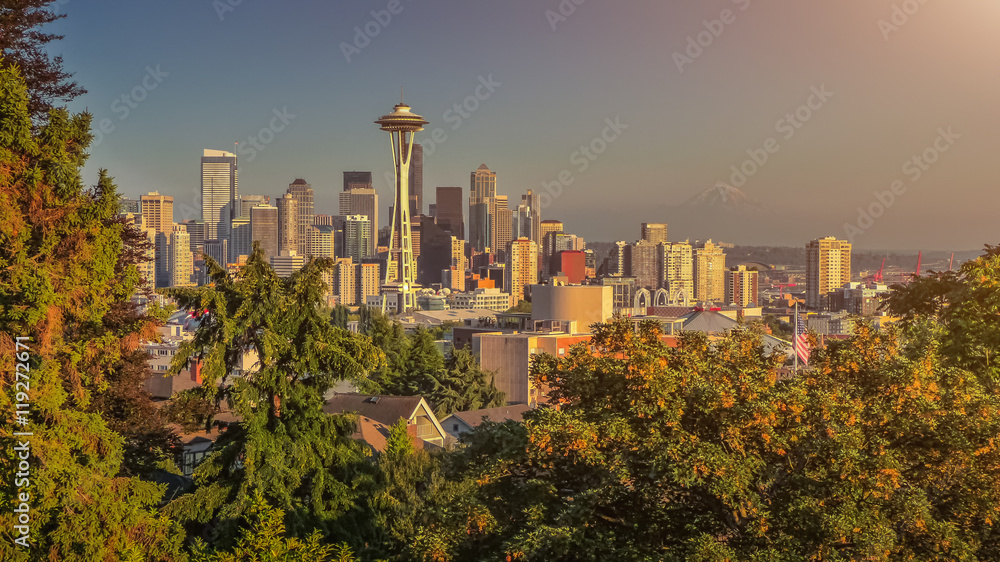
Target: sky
[(815, 111)]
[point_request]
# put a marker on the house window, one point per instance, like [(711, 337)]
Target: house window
[(455, 427), (562, 351)]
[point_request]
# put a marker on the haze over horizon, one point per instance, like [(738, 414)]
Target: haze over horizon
[(881, 94)]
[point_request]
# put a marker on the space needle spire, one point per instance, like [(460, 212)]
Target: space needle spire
[(400, 271)]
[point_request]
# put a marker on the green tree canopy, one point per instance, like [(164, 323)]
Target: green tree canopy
[(302, 460)]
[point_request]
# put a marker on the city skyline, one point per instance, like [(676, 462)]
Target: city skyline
[(872, 114)]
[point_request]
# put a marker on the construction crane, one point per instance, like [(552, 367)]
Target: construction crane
[(878, 276), (951, 264)]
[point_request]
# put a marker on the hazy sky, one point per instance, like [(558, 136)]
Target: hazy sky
[(894, 90)]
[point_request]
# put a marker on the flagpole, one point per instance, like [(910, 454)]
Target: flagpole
[(795, 339)]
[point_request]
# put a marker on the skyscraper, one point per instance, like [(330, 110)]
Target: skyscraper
[(417, 181), (357, 180), (709, 273), (644, 265), (219, 192), (357, 237), (303, 193), (450, 211), (522, 267), (654, 232), (528, 218), (264, 229), (158, 214), (360, 198), (240, 238), (248, 202), (545, 227), (741, 286), (288, 224), (482, 209), (323, 241), (828, 267), (181, 258), (676, 267), (504, 222)]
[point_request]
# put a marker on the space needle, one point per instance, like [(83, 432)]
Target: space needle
[(400, 271)]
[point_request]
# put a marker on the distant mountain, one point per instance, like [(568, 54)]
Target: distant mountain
[(724, 197)]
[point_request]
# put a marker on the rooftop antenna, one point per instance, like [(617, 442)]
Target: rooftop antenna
[(401, 95)]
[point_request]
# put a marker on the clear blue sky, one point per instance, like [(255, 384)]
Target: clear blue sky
[(893, 88)]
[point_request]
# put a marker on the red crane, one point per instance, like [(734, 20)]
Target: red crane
[(878, 276), (951, 264)]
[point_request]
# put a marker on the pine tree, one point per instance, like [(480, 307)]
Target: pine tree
[(302, 460), (24, 45), (62, 279)]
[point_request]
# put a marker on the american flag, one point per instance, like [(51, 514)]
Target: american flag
[(801, 342)]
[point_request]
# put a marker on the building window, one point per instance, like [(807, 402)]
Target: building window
[(455, 427), (562, 351)]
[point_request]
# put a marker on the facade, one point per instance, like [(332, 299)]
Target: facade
[(181, 258), (345, 284), (571, 264), (509, 356), (547, 226), (240, 239), (643, 265), (482, 209), (357, 237), (158, 214), (288, 224), (248, 202), (623, 293), (709, 273), (218, 250), (264, 229), (828, 266), (358, 180), (303, 193), (742, 286), (287, 263), (367, 282), (481, 299), (361, 201), (522, 264), (219, 192), (417, 181), (450, 214), (676, 268), (322, 241), (504, 223), (580, 305), (654, 232)]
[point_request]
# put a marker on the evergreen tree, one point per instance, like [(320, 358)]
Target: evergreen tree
[(64, 285), (24, 45), (300, 459)]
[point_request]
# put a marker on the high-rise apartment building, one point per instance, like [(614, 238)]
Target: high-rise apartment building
[(709, 273), (482, 210), (676, 266), (547, 226), (358, 180), (128, 206), (450, 214), (219, 192), (643, 265), (828, 267), (527, 218), (346, 282), (522, 268), (302, 192), (653, 232), (264, 229), (287, 263), (742, 286), (158, 214), (288, 224), (322, 241), (367, 281), (181, 258), (357, 237)]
